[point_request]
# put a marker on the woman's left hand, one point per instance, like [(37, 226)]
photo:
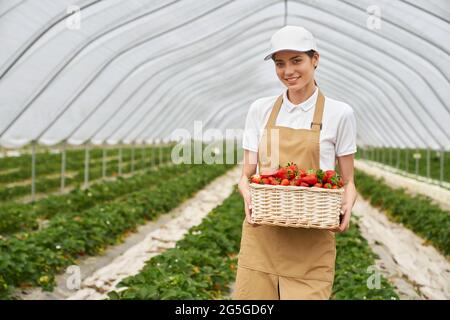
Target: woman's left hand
[(348, 201)]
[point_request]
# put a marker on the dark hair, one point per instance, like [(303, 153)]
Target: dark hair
[(310, 54)]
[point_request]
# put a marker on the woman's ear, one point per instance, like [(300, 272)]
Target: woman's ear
[(316, 58)]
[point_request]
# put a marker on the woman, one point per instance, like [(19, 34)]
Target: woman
[(313, 132)]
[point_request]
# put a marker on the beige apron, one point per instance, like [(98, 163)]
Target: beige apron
[(304, 254)]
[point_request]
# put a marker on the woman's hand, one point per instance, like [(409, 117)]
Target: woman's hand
[(244, 189), (346, 167), (348, 201)]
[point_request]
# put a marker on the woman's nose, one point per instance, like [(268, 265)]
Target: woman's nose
[(289, 70)]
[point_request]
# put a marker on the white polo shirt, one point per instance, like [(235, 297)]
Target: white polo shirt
[(338, 134)]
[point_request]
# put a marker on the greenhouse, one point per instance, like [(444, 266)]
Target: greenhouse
[(224, 150)]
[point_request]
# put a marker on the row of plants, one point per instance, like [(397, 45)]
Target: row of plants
[(405, 159), (45, 156), (15, 217), (417, 212), (35, 259), (203, 264), (45, 184), (45, 167)]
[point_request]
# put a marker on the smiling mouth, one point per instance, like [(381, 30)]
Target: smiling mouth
[(292, 79)]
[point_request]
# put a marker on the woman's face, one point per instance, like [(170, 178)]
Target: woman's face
[(295, 69)]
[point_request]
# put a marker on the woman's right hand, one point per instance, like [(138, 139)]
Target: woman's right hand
[(244, 189)]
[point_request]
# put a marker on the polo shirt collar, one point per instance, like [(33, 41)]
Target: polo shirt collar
[(305, 105)]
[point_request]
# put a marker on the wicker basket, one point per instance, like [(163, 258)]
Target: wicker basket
[(294, 206)]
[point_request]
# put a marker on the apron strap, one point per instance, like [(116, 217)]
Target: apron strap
[(274, 114), (316, 124)]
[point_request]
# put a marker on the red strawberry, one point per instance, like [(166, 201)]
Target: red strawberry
[(265, 181), (292, 166), (256, 179), (327, 185), (285, 182), (318, 185), (334, 180), (301, 173), (274, 181), (328, 175), (310, 179), (303, 184), (320, 174), (291, 174), (292, 170), (268, 173), (282, 173)]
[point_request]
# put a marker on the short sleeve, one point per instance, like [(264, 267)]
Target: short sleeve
[(346, 134), (250, 138)]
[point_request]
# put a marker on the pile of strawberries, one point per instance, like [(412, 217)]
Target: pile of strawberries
[(291, 175)]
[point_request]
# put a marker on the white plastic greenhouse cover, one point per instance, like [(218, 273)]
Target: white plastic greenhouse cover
[(135, 71)]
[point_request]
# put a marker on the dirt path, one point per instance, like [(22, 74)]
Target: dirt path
[(8, 171), (418, 270), (102, 273), (27, 182)]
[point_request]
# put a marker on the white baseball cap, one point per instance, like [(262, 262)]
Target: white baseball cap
[(293, 38)]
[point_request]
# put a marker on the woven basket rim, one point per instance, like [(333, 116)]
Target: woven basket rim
[(316, 189)]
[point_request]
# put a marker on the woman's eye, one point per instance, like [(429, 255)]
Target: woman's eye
[(297, 61)]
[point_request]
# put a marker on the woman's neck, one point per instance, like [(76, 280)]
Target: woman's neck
[(297, 97)]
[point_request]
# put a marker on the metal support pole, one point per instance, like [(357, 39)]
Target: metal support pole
[(33, 171), (407, 160), (428, 162), (132, 158), (417, 164), (441, 175), (86, 166), (390, 157), (120, 161), (104, 163), (153, 154), (143, 156), (63, 167)]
